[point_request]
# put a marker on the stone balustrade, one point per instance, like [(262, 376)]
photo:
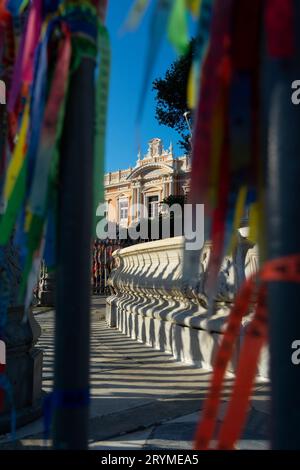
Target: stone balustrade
[(150, 302)]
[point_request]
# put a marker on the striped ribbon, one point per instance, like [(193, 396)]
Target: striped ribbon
[(285, 269)]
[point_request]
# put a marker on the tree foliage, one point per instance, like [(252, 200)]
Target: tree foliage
[(179, 199), (171, 96)]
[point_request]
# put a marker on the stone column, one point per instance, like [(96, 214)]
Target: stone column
[(164, 188), (139, 200), (23, 359), (132, 211), (171, 186)]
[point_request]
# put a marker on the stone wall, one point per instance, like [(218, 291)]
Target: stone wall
[(150, 303)]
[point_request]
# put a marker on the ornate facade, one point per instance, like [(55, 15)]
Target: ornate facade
[(156, 175)]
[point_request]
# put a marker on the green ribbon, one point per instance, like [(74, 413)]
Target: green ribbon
[(102, 90), (178, 33), (8, 219)]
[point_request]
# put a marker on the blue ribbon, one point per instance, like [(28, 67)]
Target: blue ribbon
[(157, 30), (203, 35), (50, 6), (14, 6)]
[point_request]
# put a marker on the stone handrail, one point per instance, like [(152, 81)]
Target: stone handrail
[(150, 302)]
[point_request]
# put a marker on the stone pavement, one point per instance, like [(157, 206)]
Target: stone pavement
[(141, 398)]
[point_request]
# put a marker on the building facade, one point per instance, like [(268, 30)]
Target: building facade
[(156, 175)]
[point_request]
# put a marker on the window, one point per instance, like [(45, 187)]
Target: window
[(123, 210), (153, 206)]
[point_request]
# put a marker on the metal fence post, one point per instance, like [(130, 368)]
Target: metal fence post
[(72, 330), (283, 238)]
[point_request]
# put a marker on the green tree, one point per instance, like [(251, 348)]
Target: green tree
[(170, 200), (171, 96)]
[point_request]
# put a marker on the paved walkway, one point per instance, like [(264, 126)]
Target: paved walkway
[(141, 398)]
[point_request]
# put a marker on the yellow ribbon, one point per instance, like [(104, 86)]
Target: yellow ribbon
[(194, 6), (191, 89), (254, 215), (19, 153)]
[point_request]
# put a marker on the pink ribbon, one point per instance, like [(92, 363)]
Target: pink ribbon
[(23, 71)]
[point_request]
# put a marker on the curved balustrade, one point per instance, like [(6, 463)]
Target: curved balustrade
[(150, 303)]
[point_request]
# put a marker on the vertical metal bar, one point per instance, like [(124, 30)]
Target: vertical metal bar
[(283, 238), (72, 331)]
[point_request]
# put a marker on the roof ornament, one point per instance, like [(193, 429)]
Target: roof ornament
[(155, 148), (139, 155)]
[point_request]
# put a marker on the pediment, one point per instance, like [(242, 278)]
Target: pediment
[(155, 173), (151, 170)]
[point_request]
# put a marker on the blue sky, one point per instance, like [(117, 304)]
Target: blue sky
[(128, 63)]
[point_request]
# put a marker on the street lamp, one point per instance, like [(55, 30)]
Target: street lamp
[(186, 114), (186, 117)]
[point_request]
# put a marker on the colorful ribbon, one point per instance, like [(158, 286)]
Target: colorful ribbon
[(178, 33), (135, 15), (285, 269), (29, 188)]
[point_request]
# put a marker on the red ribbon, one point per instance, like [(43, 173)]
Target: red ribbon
[(285, 269), (280, 28)]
